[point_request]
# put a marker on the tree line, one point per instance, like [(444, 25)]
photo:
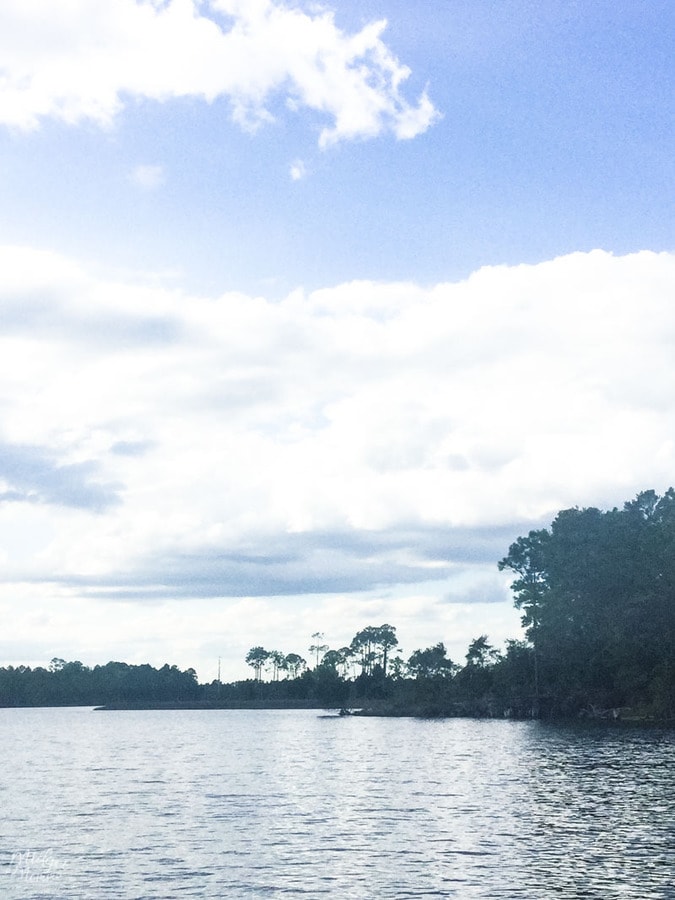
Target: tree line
[(369, 648), (370, 671), (597, 594), (116, 683)]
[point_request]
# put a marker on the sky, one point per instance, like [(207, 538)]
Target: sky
[(308, 311)]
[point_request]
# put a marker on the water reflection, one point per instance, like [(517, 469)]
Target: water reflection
[(228, 804)]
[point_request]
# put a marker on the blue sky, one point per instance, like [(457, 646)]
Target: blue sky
[(555, 136), (305, 318)]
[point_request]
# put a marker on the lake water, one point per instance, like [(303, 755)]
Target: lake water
[(230, 804)]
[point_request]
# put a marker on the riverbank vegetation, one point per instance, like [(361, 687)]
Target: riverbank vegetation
[(597, 594)]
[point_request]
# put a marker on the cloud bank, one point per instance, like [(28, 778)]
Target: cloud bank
[(78, 60), (362, 436)]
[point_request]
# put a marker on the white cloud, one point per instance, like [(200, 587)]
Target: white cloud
[(367, 404), (148, 178), (156, 445), (298, 170), (81, 59)]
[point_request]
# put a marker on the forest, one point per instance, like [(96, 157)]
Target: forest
[(597, 594)]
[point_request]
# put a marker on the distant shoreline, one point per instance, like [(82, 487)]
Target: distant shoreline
[(386, 712), (197, 704)]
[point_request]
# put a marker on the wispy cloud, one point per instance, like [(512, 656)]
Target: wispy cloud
[(84, 59), (36, 475), (149, 178)]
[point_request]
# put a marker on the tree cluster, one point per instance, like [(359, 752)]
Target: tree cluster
[(370, 647), (116, 683), (366, 674), (597, 592)]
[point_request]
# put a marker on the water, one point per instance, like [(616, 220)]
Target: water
[(267, 804)]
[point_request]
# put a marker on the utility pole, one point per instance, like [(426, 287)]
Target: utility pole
[(218, 670)]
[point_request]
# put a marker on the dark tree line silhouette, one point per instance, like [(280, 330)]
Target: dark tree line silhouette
[(597, 594), (116, 683)]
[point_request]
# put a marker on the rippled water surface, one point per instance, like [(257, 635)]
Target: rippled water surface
[(232, 803)]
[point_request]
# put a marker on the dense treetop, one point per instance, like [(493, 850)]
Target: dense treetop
[(597, 592)]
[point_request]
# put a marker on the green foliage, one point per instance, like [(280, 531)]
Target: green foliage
[(431, 663), (481, 653), (73, 684), (597, 594), (318, 647), (598, 591), (257, 657), (372, 645), (294, 664)]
